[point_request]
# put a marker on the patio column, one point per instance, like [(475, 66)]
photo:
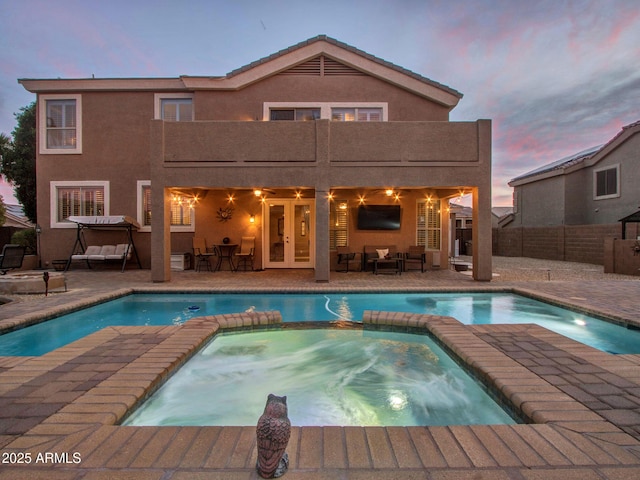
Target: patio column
[(160, 209), (482, 243), (323, 266), (160, 235)]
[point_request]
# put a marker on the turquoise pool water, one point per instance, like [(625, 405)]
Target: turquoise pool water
[(469, 308), (330, 377)]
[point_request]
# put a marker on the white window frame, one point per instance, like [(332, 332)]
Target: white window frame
[(325, 107), (615, 167), (55, 185), (140, 212), (159, 97), (428, 234), (357, 113), (42, 125)]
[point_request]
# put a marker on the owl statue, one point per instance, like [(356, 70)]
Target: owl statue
[(273, 432)]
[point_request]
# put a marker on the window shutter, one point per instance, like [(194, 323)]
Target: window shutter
[(339, 227), (146, 205)]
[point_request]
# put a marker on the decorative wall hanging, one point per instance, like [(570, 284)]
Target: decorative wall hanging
[(225, 214)]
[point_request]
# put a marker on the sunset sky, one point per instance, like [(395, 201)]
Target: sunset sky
[(556, 77)]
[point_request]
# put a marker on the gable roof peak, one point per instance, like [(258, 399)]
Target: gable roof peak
[(347, 48)]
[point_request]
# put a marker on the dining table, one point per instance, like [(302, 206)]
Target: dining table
[(225, 251)]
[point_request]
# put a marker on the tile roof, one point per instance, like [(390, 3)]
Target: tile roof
[(345, 46), (562, 163)]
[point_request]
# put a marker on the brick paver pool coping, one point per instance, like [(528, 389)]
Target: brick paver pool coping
[(63, 409)]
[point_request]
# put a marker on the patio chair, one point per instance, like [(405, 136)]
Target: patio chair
[(246, 253), (345, 257), (416, 255), (202, 253), (11, 257)]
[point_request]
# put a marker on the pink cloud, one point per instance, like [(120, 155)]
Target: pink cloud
[(6, 190)]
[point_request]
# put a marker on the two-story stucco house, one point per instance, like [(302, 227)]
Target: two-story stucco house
[(286, 150), (598, 185)]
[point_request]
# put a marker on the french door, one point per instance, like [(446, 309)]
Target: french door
[(288, 233)]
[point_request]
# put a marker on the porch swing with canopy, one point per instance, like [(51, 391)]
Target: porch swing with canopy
[(104, 253)]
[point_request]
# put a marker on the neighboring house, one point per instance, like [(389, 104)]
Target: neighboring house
[(462, 231), (285, 149), (596, 186), (463, 215), (15, 217), (500, 216)]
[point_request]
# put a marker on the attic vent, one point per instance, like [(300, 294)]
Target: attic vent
[(331, 67), (321, 66)]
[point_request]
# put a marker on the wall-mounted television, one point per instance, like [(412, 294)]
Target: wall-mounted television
[(379, 217)]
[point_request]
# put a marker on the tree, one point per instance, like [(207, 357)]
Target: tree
[(19, 160), (4, 144), (3, 211)]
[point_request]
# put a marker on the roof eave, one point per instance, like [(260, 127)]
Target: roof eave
[(622, 136), (518, 181), (35, 85)]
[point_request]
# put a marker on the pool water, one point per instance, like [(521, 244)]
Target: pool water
[(469, 308), (330, 378)]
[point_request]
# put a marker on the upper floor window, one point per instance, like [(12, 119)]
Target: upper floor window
[(337, 111), (77, 198), (356, 114), (175, 107), (606, 182), (177, 110), (60, 124), (296, 114)]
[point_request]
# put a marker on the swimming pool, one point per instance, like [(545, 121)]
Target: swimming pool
[(468, 308), (331, 378)]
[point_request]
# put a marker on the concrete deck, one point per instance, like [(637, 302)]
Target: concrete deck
[(59, 412)]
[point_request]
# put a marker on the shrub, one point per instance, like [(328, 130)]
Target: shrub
[(27, 238)]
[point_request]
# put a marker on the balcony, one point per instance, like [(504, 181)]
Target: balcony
[(230, 143)]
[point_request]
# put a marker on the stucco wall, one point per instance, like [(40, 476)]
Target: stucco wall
[(540, 203), (613, 209), (246, 104), (113, 151)]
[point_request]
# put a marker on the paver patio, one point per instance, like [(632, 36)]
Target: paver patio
[(585, 403)]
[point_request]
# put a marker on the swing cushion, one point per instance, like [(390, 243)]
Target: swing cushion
[(91, 250), (104, 251), (121, 250)]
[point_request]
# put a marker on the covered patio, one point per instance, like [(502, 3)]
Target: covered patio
[(319, 179)]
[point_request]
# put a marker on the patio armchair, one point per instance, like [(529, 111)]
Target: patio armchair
[(345, 257), (414, 256), (11, 257)]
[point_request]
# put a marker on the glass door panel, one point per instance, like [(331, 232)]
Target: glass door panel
[(276, 233), (288, 234)]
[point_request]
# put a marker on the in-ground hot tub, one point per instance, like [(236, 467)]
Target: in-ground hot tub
[(351, 377)]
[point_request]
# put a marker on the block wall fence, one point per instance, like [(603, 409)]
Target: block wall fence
[(569, 243)]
